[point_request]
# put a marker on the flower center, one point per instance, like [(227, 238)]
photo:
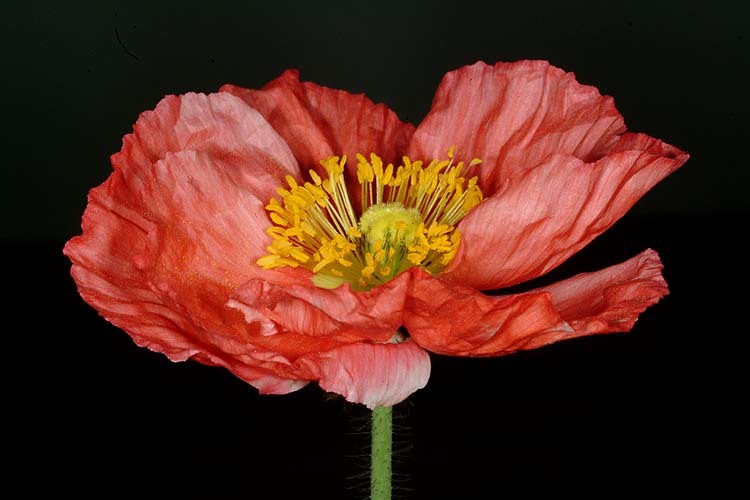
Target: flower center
[(389, 231), (408, 218)]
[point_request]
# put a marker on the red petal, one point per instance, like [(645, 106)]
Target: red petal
[(105, 270), (318, 122), (108, 280), (340, 314), (461, 321), (609, 300), (372, 374), (206, 232), (457, 320), (513, 116), (555, 209), (247, 368), (165, 243)]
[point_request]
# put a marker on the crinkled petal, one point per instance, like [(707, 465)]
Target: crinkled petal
[(208, 226), (247, 159), (461, 321), (554, 210), (457, 320), (109, 280), (205, 232), (513, 116), (606, 301), (268, 378), (372, 374), (341, 313), (319, 122), (169, 235), (222, 126)]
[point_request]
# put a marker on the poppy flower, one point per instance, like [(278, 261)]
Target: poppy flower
[(299, 233)]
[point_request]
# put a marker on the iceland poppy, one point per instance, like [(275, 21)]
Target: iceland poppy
[(299, 233)]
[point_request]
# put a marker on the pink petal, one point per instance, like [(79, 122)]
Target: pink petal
[(318, 122), (461, 321), (341, 313), (372, 374), (513, 116), (552, 211), (218, 124), (204, 204), (207, 225)]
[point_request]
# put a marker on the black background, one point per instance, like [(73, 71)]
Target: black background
[(94, 415)]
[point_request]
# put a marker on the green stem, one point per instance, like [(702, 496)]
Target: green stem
[(380, 465)]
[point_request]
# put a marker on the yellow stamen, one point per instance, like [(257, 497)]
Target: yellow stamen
[(408, 218)]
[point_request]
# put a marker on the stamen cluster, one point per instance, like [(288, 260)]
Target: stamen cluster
[(408, 218)]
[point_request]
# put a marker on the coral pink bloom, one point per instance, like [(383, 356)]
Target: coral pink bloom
[(175, 244)]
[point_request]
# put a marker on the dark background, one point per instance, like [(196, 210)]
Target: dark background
[(94, 415)]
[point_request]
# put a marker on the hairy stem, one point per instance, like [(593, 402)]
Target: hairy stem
[(380, 465)]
